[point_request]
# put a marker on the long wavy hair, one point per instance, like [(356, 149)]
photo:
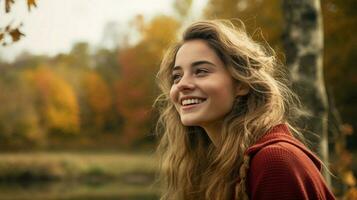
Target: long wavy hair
[(192, 168)]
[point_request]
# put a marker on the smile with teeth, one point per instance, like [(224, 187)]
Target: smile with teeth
[(186, 102)]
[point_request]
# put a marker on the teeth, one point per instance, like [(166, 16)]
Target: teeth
[(191, 101)]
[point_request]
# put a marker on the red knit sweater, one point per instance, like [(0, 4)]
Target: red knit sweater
[(281, 168)]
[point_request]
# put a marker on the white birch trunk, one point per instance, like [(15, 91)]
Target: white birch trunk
[(303, 41)]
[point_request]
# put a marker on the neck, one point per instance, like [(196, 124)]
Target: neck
[(214, 131)]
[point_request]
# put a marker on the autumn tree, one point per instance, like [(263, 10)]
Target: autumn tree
[(57, 102), (106, 64), (92, 75), (340, 22), (20, 124), (340, 26), (261, 17), (99, 100), (136, 89)]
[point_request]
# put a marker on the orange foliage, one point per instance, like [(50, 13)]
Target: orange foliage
[(351, 194), (136, 89), (98, 95)]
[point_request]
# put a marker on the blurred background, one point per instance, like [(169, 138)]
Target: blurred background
[(77, 84)]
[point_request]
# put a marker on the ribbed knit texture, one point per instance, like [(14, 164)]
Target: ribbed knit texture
[(282, 168)]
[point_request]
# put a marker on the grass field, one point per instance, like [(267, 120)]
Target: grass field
[(69, 165), (75, 175)]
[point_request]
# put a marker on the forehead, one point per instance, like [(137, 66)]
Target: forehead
[(195, 50)]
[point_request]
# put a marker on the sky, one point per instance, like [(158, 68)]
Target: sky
[(55, 25)]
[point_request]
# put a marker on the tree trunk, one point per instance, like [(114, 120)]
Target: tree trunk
[(303, 43)]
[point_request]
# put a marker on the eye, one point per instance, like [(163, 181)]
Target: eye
[(175, 77), (201, 71)]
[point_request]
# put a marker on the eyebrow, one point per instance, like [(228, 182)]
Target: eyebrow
[(196, 63)]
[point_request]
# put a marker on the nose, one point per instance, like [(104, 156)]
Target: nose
[(186, 83)]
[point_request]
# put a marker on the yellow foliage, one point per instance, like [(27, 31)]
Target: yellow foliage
[(351, 194), (348, 178), (57, 100), (159, 33)]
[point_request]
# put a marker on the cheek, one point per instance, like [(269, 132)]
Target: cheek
[(223, 95), (224, 89), (225, 98), (173, 94)]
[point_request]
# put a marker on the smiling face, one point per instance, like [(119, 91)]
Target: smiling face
[(203, 91)]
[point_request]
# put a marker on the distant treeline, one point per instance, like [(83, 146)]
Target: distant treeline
[(86, 96), (98, 97)]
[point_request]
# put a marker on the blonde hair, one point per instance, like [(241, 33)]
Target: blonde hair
[(191, 167)]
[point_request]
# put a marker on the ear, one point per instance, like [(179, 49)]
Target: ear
[(242, 89)]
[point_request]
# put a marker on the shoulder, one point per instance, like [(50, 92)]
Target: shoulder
[(281, 163), (282, 155), (284, 171)]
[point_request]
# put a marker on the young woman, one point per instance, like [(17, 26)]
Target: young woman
[(225, 122)]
